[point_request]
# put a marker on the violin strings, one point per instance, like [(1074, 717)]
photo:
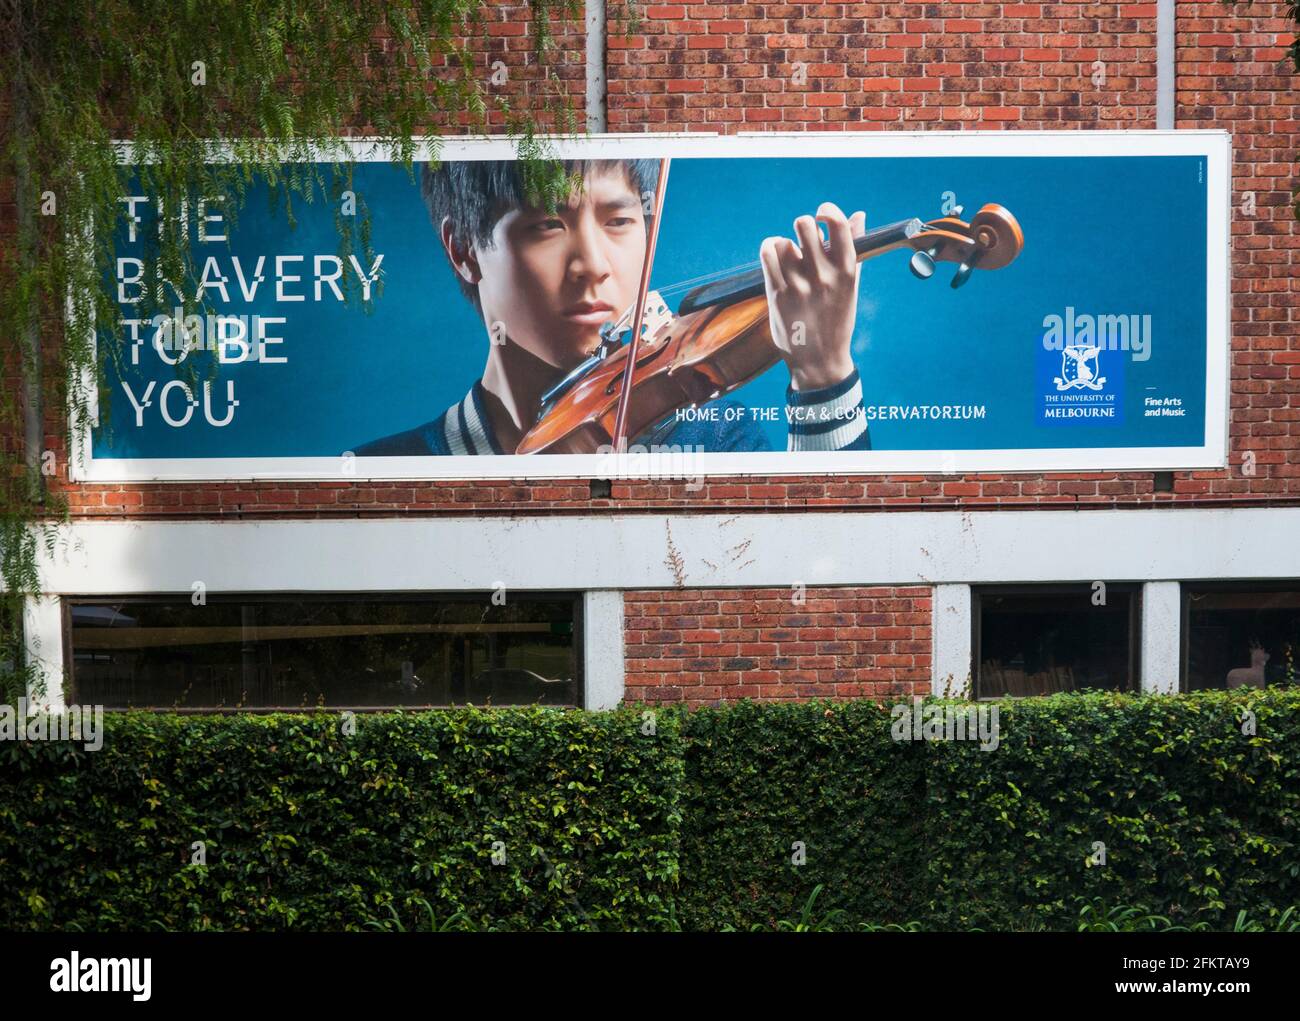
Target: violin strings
[(708, 278), (746, 267)]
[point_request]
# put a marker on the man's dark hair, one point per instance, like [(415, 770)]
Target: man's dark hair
[(475, 194)]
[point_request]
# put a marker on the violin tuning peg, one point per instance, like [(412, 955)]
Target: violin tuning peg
[(964, 269), (922, 264)]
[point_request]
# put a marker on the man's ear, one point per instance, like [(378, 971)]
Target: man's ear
[(462, 258)]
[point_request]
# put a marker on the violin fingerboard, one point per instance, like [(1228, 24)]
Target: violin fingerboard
[(749, 282)]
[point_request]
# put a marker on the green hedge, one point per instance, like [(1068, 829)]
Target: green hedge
[(1197, 818), (607, 825), (762, 776), (308, 828)]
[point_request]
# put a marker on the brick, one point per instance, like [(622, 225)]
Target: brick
[(704, 67)]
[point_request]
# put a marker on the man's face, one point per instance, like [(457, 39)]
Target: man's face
[(552, 280)]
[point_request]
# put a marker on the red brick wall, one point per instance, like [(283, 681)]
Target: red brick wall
[(701, 645), (727, 67), (1232, 75), (509, 38)]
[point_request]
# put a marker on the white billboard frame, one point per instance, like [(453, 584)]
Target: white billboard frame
[(1214, 146)]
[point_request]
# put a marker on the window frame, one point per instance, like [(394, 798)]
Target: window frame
[(474, 597), (1186, 589), (1131, 588)]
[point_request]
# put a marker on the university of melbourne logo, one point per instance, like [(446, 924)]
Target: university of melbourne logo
[(1080, 369), (1080, 377)]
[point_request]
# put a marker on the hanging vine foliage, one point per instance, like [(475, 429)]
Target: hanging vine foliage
[(179, 99)]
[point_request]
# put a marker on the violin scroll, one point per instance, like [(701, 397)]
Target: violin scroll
[(991, 240)]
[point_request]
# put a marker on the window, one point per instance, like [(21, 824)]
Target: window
[(1239, 635), (1036, 640), (294, 652)]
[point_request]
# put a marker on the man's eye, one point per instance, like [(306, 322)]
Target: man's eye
[(549, 225), (621, 221)]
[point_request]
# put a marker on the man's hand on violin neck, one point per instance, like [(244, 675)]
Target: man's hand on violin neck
[(812, 296)]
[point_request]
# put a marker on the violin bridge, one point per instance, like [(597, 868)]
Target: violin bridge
[(656, 317)]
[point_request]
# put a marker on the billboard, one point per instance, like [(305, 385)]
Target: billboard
[(809, 304)]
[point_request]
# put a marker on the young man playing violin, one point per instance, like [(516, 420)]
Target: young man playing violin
[(546, 282)]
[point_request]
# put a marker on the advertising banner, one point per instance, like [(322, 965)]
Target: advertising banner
[(809, 304)]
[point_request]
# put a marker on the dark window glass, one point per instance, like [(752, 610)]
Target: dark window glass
[(261, 653), (1036, 641), (1241, 636)]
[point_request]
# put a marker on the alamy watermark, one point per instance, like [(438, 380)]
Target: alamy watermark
[(75, 974), (234, 339), (918, 722), (1075, 332), (75, 723), (656, 461)]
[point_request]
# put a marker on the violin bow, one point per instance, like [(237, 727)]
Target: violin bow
[(620, 418)]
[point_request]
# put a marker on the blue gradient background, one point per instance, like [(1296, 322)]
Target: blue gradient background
[(1089, 243)]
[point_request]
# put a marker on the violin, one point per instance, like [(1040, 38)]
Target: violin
[(720, 337)]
